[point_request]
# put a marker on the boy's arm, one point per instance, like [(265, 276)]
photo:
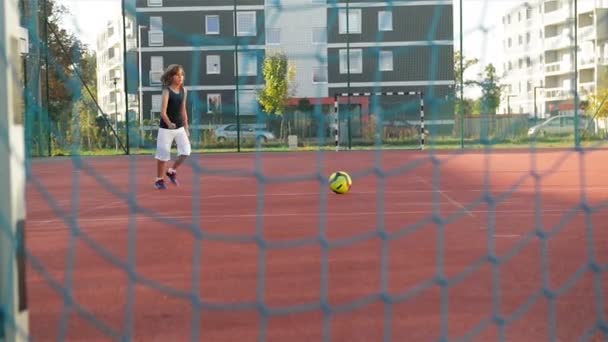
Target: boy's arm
[(163, 108)]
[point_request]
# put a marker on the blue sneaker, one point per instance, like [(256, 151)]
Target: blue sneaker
[(160, 184), (173, 177)]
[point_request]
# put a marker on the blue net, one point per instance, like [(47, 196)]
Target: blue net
[(477, 204)]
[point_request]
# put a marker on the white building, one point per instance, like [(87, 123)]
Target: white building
[(110, 82), (539, 55), (299, 29)]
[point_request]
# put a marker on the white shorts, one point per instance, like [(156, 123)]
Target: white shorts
[(165, 139)]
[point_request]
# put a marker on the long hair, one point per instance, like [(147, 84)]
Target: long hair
[(167, 78)]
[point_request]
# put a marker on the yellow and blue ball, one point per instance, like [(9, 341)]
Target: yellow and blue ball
[(340, 182)]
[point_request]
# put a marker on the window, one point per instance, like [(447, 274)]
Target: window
[(319, 35), (212, 24), (273, 36), (386, 60), (155, 34), (246, 24), (248, 102), (354, 21), (385, 21), (156, 23), (247, 63), (319, 74), (155, 108), (214, 103), (356, 61), (213, 64), (156, 69), (156, 63)]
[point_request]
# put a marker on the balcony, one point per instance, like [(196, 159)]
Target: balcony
[(560, 15), (558, 42), (586, 33), (558, 68), (552, 94), (586, 88), (586, 62)]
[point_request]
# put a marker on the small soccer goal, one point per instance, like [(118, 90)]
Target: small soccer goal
[(379, 119)]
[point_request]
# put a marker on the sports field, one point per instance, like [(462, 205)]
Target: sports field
[(426, 246)]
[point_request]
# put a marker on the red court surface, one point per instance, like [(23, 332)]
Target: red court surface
[(254, 247)]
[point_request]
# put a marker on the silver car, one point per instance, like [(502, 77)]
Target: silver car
[(229, 132), (558, 125)]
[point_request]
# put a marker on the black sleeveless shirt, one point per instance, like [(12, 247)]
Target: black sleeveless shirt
[(174, 109)]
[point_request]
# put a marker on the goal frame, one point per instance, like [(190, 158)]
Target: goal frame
[(336, 125), (14, 316)]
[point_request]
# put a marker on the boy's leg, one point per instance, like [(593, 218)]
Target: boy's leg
[(183, 151), (163, 155)]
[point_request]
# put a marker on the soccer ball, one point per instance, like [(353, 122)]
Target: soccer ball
[(340, 182)]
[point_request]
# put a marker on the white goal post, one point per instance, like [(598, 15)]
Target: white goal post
[(336, 125), (14, 321)]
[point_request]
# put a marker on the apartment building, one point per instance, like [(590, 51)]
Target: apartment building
[(387, 41), (110, 71), (539, 55)]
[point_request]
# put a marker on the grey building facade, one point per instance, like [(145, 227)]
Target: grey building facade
[(200, 35), (393, 46)]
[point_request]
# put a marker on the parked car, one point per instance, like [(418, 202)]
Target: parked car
[(558, 125), (229, 132)]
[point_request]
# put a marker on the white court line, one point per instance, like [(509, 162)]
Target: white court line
[(446, 196), (391, 192), (518, 190), (507, 236), (206, 217)]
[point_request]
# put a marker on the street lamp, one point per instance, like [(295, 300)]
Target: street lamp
[(509, 102), (116, 110), (140, 91), (535, 108)]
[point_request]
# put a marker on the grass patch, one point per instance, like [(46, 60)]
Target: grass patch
[(446, 143)]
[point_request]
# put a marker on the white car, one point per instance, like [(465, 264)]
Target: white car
[(229, 132), (558, 125)]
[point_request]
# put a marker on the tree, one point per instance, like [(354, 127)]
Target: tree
[(278, 76), (491, 90), (89, 132), (67, 57), (466, 63), (279, 85), (598, 103)]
